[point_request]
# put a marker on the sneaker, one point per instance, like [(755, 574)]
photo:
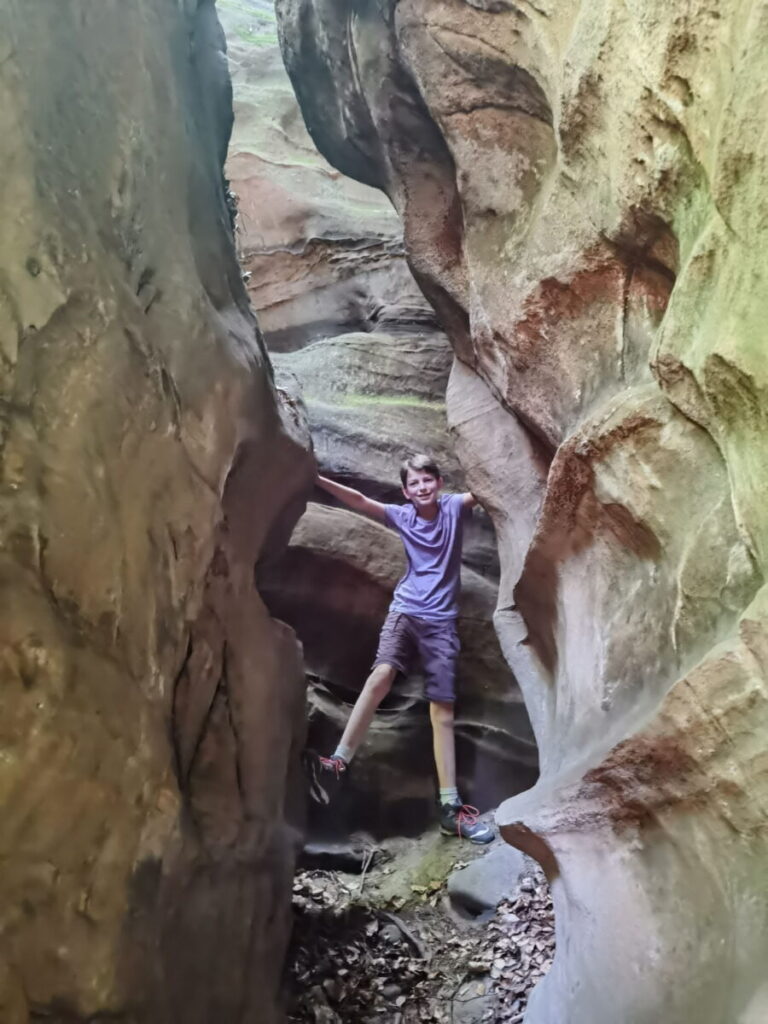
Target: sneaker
[(462, 820), (323, 774)]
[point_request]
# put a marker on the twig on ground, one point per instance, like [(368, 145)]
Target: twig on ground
[(423, 952)]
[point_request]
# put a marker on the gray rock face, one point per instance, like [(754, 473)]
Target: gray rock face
[(152, 710), (593, 246), (476, 890)]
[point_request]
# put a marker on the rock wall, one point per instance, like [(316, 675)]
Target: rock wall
[(353, 340), (152, 709), (582, 188), (323, 255)]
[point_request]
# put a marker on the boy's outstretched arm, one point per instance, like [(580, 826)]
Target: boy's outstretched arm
[(469, 500), (351, 498)]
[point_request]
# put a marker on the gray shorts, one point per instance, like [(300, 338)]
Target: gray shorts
[(403, 637)]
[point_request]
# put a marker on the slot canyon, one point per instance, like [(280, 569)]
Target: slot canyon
[(243, 241)]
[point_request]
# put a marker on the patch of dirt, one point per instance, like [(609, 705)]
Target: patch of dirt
[(354, 960)]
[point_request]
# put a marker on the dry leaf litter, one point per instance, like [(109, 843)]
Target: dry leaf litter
[(355, 964)]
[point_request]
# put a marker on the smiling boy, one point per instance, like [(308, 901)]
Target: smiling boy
[(421, 622)]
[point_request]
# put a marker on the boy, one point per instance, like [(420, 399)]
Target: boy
[(421, 619)]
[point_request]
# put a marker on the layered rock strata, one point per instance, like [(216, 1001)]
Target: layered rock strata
[(582, 190), (153, 711), (323, 255), (354, 340)]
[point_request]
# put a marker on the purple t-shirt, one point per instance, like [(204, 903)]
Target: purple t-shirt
[(430, 587)]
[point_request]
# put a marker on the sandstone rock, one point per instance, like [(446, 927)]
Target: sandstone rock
[(13, 1002), (152, 709), (593, 247), (324, 254), (373, 399)]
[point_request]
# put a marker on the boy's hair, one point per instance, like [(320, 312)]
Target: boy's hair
[(419, 463)]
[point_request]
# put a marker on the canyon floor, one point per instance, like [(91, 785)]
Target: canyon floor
[(394, 940)]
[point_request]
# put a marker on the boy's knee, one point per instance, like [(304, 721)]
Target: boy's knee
[(380, 680), (441, 712)]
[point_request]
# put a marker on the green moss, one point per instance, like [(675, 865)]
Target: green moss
[(256, 38), (254, 24), (263, 13), (408, 401)]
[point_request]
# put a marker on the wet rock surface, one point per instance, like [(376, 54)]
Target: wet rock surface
[(358, 956)]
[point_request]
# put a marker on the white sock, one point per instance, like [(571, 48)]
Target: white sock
[(449, 795), (344, 752)]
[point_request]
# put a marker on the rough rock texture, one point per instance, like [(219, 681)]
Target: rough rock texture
[(323, 254), (152, 710), (583, 192)]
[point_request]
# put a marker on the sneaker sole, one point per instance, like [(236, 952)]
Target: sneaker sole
[(455, 835)]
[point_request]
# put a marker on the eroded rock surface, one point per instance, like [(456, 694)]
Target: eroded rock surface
[(324, 255), (582, 190), (153, 711), (355, 342)]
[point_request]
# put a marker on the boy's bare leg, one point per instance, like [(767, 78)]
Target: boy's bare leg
[(455, 818), (377, 686), (444, 743)]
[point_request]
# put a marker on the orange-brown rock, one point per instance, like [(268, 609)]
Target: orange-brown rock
[(323, 255)]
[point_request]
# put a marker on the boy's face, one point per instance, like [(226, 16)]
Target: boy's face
[(422, 488)]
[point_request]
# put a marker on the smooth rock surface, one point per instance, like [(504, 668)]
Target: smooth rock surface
[(152, 710), (478, 888), (583, 194), (354, 342), (323, 254)]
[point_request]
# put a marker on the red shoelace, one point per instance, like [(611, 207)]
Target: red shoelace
[(466, 815), (334, 763)]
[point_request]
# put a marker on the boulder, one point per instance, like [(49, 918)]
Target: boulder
[(473, 1002), (593, 246), (476, 890)]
